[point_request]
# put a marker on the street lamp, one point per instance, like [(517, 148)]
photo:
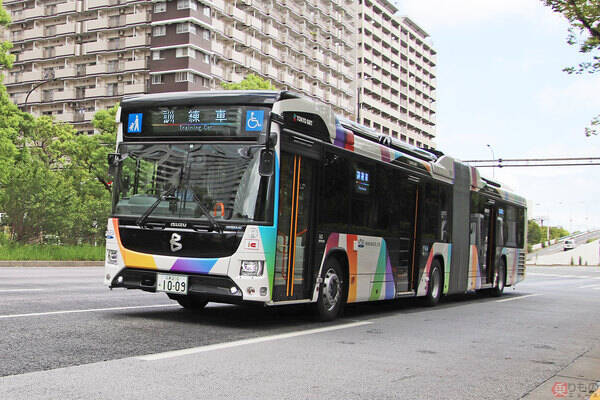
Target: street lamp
[(48, 77), (493, 158)]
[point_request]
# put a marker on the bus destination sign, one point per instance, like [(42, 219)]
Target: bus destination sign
[(195, 121)]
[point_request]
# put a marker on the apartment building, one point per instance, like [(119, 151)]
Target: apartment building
[(74, 57), (396, 74)]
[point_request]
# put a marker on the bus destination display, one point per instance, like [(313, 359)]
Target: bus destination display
[(186, 121)]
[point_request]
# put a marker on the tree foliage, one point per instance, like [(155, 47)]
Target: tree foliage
[(584, 32), (537, 234), (250, 82), (52, 180)]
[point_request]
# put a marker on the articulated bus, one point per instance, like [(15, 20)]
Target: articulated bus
[(266, 197)]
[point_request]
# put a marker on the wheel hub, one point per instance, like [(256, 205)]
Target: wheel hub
[(331, 289)]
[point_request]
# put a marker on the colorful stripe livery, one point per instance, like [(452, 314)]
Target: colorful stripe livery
[(375, 280), (443, 250)]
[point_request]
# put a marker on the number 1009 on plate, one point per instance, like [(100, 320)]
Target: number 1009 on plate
[(172, 283)]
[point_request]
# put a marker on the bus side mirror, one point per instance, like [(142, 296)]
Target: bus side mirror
[(266, 167), (113, 162)]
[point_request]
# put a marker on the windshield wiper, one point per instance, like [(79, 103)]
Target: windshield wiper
[(166, 195), (213, 222)]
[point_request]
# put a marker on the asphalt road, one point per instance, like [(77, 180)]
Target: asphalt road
[(64, 335)]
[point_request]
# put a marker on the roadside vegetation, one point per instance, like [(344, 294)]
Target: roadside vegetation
[(538, 234)]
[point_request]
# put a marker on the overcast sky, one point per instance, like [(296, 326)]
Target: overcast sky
[(500, 82)]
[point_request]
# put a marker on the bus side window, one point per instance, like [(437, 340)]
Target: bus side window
[(334, 194)]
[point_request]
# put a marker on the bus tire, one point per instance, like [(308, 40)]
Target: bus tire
[(189, 302), (332, 291), (499, 288), (434, 291)]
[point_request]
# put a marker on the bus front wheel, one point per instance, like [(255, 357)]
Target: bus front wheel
[(189, 302), (332, 292), (434, 291)]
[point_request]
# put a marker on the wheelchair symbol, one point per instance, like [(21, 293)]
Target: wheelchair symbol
[(254, 120)]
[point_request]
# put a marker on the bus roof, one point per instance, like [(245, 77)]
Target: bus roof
[(245, 97)]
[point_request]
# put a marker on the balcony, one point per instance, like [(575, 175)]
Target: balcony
[(134, 65), (136, 41), (134, 89), (21, 15)]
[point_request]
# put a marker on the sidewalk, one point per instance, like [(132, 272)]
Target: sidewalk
[(579, 380), (51, 263)]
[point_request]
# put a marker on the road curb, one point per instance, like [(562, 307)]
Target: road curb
[(51, 263), (578, 380)]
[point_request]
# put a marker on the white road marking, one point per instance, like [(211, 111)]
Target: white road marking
[(518, 298), (19, 290), (563, 276), (589, 286), (85, 311), (244, 342)]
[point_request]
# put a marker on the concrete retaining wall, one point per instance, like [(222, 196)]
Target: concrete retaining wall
[(586, 253)]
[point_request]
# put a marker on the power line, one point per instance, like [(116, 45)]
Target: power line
[(536, 162)]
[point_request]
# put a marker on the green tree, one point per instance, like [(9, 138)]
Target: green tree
[(6, 59), (250, 82), (584, 32), (89, 153), (534, 232)]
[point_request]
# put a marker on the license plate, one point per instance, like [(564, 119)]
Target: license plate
[(172, 283)]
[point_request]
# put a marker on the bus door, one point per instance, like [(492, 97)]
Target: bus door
[(294, 230), (408, 201), (487, 243)]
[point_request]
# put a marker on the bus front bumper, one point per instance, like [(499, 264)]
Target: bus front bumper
[(211, 287)]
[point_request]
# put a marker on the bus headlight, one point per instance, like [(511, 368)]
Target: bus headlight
[(252, 268), (112, 256)]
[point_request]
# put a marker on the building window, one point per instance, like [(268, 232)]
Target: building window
[(160, 7), (186, 27), (159, 30), (207, 11), (206, 34), (112, 89), (206, 59), (157, 79), (186, 52), (183, 77), (156, 55), (185, 4), (205, 82)]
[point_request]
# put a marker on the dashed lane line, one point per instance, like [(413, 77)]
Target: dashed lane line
[(518, 298)]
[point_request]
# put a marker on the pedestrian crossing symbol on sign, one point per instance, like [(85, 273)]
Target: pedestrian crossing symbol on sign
[(134, 124)]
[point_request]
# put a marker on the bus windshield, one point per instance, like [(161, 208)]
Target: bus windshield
[(192, 180)]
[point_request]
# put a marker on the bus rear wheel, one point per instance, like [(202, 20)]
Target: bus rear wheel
[(189, 302), (434, 291), (332, 292), (497, 291)]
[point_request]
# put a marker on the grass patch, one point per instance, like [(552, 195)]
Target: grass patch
[(51, 252)]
